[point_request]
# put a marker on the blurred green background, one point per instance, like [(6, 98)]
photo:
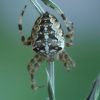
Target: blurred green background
[(14, 57)]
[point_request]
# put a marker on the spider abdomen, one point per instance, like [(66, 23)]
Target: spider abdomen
[(48, 35)]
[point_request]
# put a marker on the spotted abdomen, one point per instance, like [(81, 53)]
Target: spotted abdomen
[(48, 35)]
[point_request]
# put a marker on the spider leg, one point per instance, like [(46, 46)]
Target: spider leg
[(36, 62), (68, 23), (40, 10), (28, 41), (68, 62), (69, 37), (38, 6)]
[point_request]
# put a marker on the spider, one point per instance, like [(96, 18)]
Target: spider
[(47, 38)]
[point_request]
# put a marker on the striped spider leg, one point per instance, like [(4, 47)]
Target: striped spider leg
[(66, 59), (36, 60), (40, 10), (24, 41)]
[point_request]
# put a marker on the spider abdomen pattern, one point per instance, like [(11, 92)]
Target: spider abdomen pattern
[(48, 37)]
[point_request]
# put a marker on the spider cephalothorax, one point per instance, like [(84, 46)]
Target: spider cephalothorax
[(47, 38)]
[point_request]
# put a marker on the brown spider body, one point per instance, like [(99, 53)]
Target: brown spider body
[(48, 41), (48, 37)]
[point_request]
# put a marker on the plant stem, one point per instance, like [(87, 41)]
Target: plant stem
[(95, 90), (51, 81)]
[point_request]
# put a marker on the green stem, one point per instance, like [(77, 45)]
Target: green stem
[(51, 81), (95, 90)]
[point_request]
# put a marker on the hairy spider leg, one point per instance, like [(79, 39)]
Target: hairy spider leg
[(36, 60), (38, 6), (40, 10), (28, 41), (66, 59), (68, 23)]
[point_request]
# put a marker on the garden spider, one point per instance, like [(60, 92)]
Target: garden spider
[(47, 38)]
